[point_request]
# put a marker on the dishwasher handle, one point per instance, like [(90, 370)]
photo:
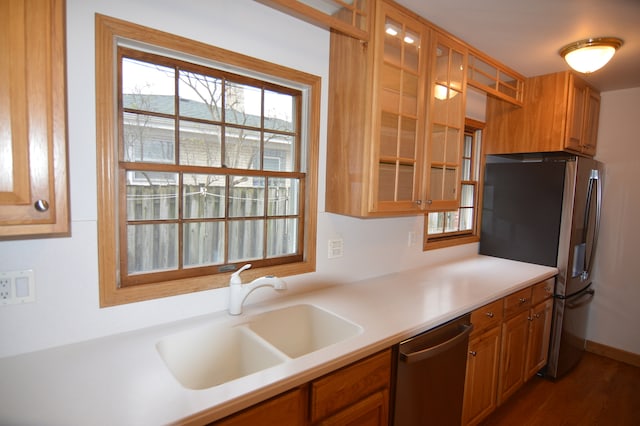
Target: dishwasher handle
[(429, 352)]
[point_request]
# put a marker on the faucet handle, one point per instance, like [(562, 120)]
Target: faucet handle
[(235, 277)]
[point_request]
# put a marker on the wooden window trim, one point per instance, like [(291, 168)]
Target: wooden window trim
[(108, 32)]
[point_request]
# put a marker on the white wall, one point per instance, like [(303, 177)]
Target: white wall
[(66, 271), (615, 312)]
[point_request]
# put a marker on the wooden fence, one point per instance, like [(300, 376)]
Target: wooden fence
[(155, 246)]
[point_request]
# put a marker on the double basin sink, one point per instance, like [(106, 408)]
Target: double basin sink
[(210, 355)]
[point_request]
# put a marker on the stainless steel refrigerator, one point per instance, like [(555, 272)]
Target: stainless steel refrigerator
[(545, 209)]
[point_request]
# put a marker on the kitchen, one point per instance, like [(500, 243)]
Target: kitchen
[(66, 273)]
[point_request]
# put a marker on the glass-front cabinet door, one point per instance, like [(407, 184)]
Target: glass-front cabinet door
[(400, 87), (446, 123)]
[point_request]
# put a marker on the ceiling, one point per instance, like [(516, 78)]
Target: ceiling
[(526, 35)]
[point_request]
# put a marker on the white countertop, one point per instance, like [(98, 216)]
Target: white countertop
[(121, 379)]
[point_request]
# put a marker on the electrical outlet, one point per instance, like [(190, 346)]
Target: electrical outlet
[(17, 287), (5, 289), (336, 248)]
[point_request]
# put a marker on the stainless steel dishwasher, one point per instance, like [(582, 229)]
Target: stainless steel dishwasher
[(430, 375)]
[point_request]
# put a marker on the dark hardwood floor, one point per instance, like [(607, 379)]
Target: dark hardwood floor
[(598, 391)]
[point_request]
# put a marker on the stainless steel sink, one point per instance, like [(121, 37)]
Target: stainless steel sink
[(207, 356)]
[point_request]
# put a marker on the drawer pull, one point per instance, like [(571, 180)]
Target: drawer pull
[(473, 353), (490, 314), (522, 300)]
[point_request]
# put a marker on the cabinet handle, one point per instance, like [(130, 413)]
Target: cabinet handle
[(473, 353), (418, 202), (41, 205), (490, 314), (522, 300)]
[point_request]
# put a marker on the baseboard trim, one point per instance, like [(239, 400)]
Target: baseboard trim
[(613, 353)]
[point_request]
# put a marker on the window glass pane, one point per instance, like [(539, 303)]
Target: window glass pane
[(151, 195), (453, 139), (438, 143), (282, 237), (391, 88), (279, 152), (466, 199), (442, 65), (405, 183), (466, 169), (450, 184), (203, 196), (200, 96), (392, 41), (283, 196), (451, 221), (242, 149), (243, 104), (408, 135), (386, 182), (457, 70), (147, 138), (411, 50), (152, 248), (436, 223), (468, 144), (246, 196), (203, 243), (279, 111), (389, 135), (147, 87), (466, 219), (410, 90), (200, 144), (245, 240)]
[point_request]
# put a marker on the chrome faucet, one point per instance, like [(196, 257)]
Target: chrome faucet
[(238, 292)]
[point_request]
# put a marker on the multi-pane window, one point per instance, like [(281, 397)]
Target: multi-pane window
[(209, 166), (207, 160), (459, 224)]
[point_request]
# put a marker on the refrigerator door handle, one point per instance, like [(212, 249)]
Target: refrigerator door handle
[(582, 264), (581, 299)]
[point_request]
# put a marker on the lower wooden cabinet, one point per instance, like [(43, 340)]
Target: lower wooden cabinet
[(357, 394), (539, 334), (513, 355), (345, 393), (481, 382), (372, 410), (509, 346), (287, 409)]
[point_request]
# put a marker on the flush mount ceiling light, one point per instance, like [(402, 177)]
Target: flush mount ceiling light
[(589, 55)]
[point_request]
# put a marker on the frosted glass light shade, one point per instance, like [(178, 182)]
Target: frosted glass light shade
[(587, 56)]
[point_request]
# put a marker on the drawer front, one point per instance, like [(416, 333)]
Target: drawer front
[(487, 316), (543, 290), (333, 392), (517, 302)]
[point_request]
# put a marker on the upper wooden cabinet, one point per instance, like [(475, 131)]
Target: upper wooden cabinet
[(446, 123), (559, 113), (375, 144), (33, 133), (348, 17), (494, 78)]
